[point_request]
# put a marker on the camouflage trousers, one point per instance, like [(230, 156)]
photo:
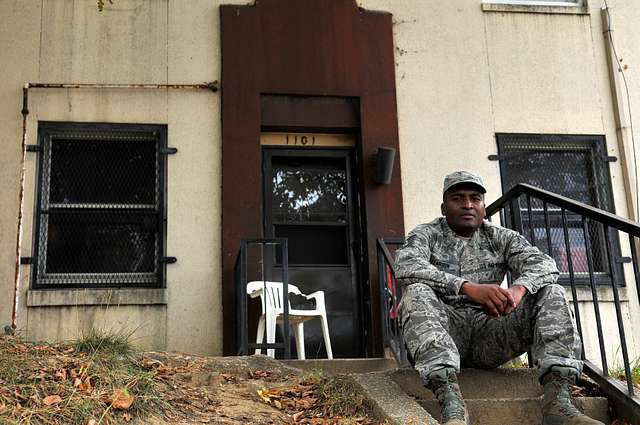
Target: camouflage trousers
[(457, 335)]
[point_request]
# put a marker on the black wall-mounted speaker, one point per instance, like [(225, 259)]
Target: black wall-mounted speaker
[(384, 165)]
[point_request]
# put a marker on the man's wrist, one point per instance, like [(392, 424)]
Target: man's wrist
[(520, 288), (464, 287)]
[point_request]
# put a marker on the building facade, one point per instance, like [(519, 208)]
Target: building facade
[(136, 199)]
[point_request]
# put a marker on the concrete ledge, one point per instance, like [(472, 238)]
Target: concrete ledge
[(390, 402), (532, 8), (520, 410), (604, 293), (340, 366), (477, 383), (80, 297)]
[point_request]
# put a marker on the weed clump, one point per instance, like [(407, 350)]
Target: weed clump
[(619, 373), (316, 398), (339, 396), (98, 379), (107, 342)]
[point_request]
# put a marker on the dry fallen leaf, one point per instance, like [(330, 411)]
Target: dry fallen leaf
[(61, 374), (297, 416), (259, 374), (86, 385), (267, 395), (51, 399), (121, 399), (228, 378), (163, 370), (92, 422)]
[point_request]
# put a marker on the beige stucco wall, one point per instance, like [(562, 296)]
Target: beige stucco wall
[(131, 41), (19, 57), (626, 40), (462, 75)]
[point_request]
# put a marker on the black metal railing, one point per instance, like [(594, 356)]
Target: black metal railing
[(573, 233), (390, 295), (265, 264), (568, 231)]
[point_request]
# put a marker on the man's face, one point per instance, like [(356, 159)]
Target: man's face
[(463, 206)]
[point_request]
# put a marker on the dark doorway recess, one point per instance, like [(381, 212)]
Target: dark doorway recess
[(322, 66), (310, 198)]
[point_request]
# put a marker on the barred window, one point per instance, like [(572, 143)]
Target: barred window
[(569, 165), (100, 209)]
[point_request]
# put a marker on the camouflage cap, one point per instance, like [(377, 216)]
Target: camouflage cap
[(458, 177)]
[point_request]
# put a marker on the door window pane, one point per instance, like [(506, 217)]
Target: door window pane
[(326, 245), (308, 190)]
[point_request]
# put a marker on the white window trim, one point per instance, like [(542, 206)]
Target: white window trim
[(537, 3), (531, 6)]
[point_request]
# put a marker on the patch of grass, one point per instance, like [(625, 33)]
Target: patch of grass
[(619, 373), (313, 375), (339, 396), (83, 376), (100, 340)]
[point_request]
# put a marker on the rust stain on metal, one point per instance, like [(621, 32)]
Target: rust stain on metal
[(212, 85)]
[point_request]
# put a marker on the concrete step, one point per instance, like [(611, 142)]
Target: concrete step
[(520, 411), (497, 397), (502, 396), (341, 366), (475, 383)]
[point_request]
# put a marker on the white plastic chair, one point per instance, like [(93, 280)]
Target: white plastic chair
[(272, 313)]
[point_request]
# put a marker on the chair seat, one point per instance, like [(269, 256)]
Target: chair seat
[(273, 312), (298, 316)]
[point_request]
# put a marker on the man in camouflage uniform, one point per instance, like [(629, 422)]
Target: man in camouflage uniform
[(455, 313)]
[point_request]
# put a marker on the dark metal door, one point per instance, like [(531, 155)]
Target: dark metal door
[(309, 200)]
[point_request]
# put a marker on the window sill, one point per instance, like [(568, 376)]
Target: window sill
[(534, 8), (81, 297), (605, 294)]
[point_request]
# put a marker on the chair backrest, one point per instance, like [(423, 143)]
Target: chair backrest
[(271, 293)]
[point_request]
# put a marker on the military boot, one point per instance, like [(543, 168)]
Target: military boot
[(557, 407), (444, 384)]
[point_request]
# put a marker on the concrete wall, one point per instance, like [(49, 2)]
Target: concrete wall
[(19, 57), (625, 39), (462, 74), (131, 41)]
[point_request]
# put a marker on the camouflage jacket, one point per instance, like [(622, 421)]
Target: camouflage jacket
[(434, 255)]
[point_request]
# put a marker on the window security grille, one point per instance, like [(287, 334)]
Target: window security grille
[(572, 166), (100, 212)]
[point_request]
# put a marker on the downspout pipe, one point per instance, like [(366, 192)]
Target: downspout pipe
[(211, 86), (624, 129), (620, 114), (23, 146)]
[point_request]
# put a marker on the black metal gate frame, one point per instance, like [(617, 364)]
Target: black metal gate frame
[(242, 301)]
